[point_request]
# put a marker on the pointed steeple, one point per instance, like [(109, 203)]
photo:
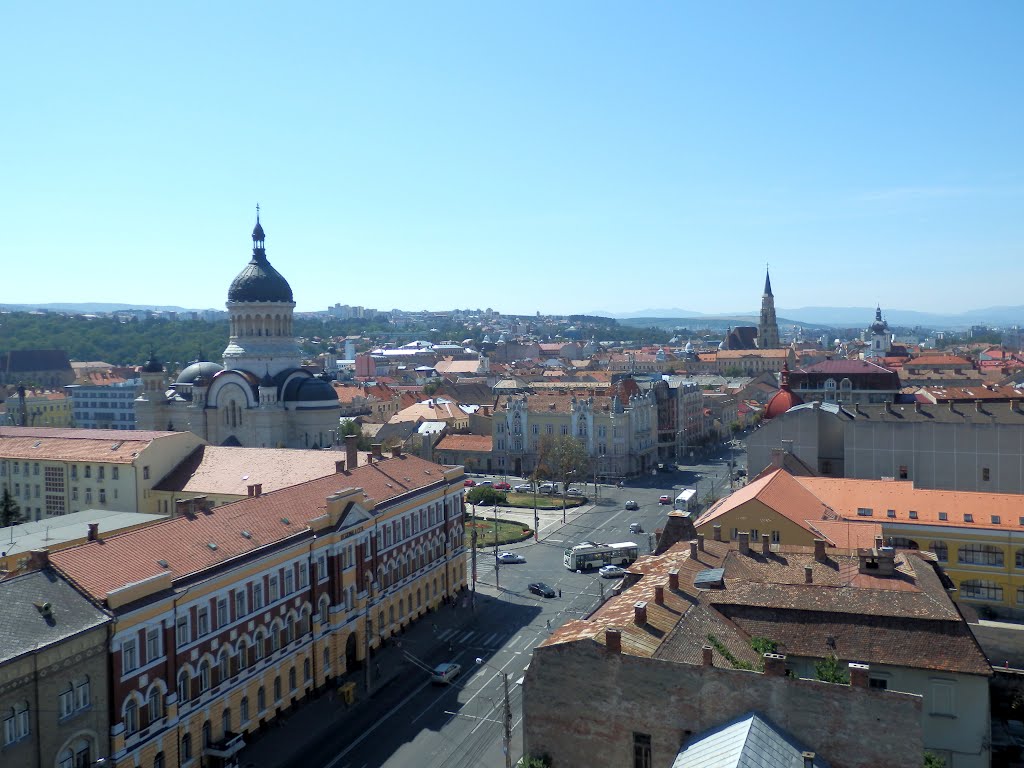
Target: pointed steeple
[(258, 248), (767, 283)]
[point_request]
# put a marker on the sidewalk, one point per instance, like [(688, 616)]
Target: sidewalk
[(285, 739)]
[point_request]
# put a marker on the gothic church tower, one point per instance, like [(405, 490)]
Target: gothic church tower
[(768, 327)]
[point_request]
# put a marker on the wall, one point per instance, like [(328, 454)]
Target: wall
[(581, 706)]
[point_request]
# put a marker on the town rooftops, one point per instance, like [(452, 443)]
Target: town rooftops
[(465, 443), (189, 544), (41, 608), (55, 531), (777, 490), (99, 445)]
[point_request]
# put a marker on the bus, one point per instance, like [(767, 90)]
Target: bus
[(687, 501), (590, 554)]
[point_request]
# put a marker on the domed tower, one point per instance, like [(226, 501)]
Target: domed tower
[(784, 399), (879, 331), (768, 327), (260, 307)]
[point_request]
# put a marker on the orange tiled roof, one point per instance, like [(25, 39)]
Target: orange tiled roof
[(55, 444), (184, 543), (777, 490), (481, 443)]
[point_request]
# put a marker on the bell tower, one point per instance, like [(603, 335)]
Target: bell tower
[(768, 326)]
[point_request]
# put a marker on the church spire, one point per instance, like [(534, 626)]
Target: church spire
[(258, 249), (767, 282)]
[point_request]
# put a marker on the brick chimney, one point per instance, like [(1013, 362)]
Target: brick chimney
[(339, 466), (879, 542), (766, 544), (693, 550), (396, 452), (819, 550), (808, 758), (673, 579), (640, 613), (717, 533), (40, 558), (700, 541), (775, 664), (377, 450), (744, 537), (613, 640), (859, 675), (808, 575), (351, 451), (94, 532), (707, 656), (249, 489), (257, 490), (659, 594)]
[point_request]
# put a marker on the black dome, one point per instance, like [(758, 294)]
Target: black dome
[(259, 282), (309, 390), (203, 369), (153, 365)]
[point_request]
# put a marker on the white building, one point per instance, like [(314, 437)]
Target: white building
[(104, 406)]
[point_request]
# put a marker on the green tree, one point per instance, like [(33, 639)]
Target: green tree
[(564, 459), (484, 495), (831, 671), (933, 761), (352, 427), (10, 512)]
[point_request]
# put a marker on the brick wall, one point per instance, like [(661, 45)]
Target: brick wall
[(582, 704)]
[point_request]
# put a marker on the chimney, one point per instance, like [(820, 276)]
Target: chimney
[(640, 613), (693, 550), (917, 406), (808, 758), (376, 450), (879, 542), (766, 544), (257, 490), (182, 506), (977, 406), (859, 675), (744, 537), (700, 541), (396, 452), (201, 504), (707, 656), (717, 532), (778, 457), (775, 664), (351, 451), (673, 579), (659, 594), (808, 575), (94, 532), (38, 559), (339, 466), (819, 550), (613, 640), (249, 490)]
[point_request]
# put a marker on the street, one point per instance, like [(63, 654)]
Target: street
[(410, 722)]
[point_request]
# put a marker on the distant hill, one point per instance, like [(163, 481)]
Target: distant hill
[(89, 307)]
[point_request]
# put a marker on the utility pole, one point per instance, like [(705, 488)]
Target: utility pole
[(497, 564), (473, 540), (507, 746)]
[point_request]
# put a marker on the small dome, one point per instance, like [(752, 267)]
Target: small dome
[(308, 390), (784, 399), (196, 370), (267, 380), (259, 281), (153, 365), (257, 231)]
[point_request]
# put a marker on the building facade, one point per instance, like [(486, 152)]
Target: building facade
[(228, 617), (845, 381), (104, 406), (260, 397)]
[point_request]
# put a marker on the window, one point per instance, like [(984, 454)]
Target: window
[(184, 686), (292, 684), (776, 537), (186, 747), (261, 699), (734, 534), (222, 613), (152, 645), (277, 688), (913, 515), (99, 472), (158, 761), (257, 645), (943, 516), (243, 710), (941, 551), (642, 750), (307, 673), (223, 666), (131, 717), (979, 589), (903, 474), (242, 654), (942, 699), (88, 471), (980, 554), (114, 473), (145, 473), (225, 721), (204, 676), (257, 596), (155, 704), (865, 511), (203, 621), (878, 683), (103, 496), (985, 474), (83, 697), (968, 517), (67, 702), (182, 630), (129, 658), (303, 575), (890, 513), (273, 589), (1019, 558)]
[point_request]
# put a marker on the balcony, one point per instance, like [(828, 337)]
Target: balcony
[(227, 747)]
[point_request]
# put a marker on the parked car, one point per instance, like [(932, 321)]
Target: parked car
[(446, 672), (548, 488), (632, 505), (664, 499), (741, 472), (501, 485), (510, 557), (523, 488), (574, 492), (486, 482), (470, 482), (611, 572), (542, 589), (636, 528)]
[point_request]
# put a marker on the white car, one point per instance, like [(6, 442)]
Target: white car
[(574, 492), (445, 673), (523, 488), (510, 557), (611, 572)]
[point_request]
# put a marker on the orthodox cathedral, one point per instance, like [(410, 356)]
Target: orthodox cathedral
[(259, 396)]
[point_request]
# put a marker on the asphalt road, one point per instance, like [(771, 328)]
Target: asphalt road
[(413, 723)]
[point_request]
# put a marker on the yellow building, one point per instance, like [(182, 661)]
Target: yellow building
[(42, 408), (226, 618)]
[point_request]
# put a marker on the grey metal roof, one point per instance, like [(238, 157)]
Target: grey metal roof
[(53, 531), (24, 625), (749, 741)]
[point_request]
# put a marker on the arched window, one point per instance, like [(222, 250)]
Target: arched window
[(131, 716), (289, 628), (223, 665), (158, 760), (243, 710), (274, 636), (184, 686), (307, 670), (325, 603), (277, 688), (155, 704), (291, 679), (206, 734), (242, 655), (261, 699), (225, 721), (257, 645), (204, 676), (186, 747)]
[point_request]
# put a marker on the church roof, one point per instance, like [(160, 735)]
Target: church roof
[(259, 281)]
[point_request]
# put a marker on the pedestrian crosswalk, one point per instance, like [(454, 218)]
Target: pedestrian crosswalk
[(491, 641)]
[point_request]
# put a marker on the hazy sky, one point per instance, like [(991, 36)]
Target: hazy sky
[(553, 156)]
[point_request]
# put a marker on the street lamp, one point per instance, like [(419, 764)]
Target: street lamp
[(507, 737)]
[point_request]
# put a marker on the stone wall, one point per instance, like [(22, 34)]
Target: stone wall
[(582, 705)]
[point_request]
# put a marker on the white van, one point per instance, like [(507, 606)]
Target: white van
[(548, 488)]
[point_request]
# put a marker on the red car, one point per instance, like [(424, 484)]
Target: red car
[(470, 482), (665, 500), (502, 486)]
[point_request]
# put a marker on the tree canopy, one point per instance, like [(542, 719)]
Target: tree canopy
[(562, 458)]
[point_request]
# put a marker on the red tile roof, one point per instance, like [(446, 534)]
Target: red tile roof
[(56, 444), (482, 443)]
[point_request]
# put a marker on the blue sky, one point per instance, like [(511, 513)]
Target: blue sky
[(554, 157)]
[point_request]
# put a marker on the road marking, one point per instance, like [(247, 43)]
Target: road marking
[(465, 638)]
